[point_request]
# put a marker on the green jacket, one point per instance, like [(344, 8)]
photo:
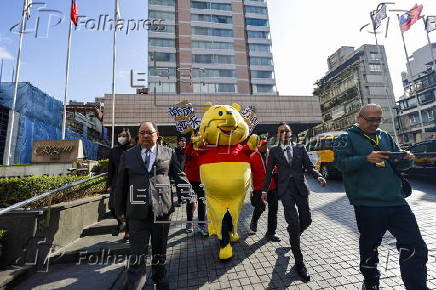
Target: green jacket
[(366, 184)]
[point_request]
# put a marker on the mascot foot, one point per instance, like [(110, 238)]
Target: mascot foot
[(234, 237), (226, 252)]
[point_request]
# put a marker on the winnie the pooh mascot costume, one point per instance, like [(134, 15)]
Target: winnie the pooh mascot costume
[(224, 170)]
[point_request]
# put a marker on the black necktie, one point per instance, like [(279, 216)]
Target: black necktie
[(288, 154), (147, 159)]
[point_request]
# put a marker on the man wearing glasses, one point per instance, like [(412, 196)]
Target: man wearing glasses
[(374, 187), (292, 161), (143, 195)]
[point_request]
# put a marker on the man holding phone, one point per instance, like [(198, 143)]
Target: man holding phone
[(371, 162)]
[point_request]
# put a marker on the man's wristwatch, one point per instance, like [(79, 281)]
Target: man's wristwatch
[(264, 192)]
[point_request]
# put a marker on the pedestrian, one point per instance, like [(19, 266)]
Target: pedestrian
[(143, 195), (258, 161), (375, 188), (122, 143), (192, 172), (291, 162)]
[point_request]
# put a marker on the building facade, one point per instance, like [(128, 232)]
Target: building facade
[(416, 120), (356, 77), (210, 47)]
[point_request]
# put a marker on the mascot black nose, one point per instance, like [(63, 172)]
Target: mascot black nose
[(229, 112)]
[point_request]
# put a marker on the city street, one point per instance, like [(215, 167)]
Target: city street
[(330, 246)]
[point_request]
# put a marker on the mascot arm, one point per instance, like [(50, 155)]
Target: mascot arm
[(253, 142), (197, 142)]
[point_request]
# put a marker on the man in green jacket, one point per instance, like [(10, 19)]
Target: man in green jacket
[(374, 188)]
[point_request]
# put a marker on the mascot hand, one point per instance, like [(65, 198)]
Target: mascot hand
[(253, 141), (197, 142)]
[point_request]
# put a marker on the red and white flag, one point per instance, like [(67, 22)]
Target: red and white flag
[(74, 12), (410, 17)]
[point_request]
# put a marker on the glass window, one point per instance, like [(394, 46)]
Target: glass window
[(221, 6), (214, 6), (162, 2), (254, 60), (164, 28), (259, 47), (212, 18), (226, 88), (214, 73), (256, 22), (171, 72), (212, 31), (200, 5), (162, 87), (161, 42), (375, 67), (258, 34), (255, 9), (161, 15), (213, 88), (374, 56), (261, 74), (258, 88), (212, 45), (162, 56)]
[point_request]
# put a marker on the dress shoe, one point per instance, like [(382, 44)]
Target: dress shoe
[(370, 285), (273, 238), (253, 226), (301, 270)]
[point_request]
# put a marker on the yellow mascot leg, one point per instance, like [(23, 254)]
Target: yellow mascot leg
[(226, 252)]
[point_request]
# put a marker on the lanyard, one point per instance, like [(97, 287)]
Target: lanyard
[(373, 142)]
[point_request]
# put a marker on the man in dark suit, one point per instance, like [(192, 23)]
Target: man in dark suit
[(143, 195), (292, 161)]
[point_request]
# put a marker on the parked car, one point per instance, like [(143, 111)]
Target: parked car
[(425, 159), (320, 151)]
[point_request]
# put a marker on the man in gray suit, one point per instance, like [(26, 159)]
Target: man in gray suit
[(292, 161), (143, 195)]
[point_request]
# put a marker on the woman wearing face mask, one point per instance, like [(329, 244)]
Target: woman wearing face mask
[(122, 144)]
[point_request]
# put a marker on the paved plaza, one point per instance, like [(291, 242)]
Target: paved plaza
[(330, 248)]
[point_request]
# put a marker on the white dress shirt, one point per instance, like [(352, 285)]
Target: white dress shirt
[(284, 151), (153, 153)]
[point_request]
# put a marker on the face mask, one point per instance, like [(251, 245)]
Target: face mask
[(122, 140)]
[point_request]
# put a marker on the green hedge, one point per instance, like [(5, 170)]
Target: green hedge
[(13, 190), (102, 166)]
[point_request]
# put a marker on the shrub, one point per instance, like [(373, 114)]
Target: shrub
[(13, 190), (101, 167)]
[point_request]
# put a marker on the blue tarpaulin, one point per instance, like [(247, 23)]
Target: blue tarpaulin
[(40, 119)]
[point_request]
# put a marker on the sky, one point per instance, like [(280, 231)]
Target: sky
[(304, 34)]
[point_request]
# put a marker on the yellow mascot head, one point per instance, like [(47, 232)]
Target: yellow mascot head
[(223, 125)]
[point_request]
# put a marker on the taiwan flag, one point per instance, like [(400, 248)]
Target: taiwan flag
[(410, 17), (74, 12)]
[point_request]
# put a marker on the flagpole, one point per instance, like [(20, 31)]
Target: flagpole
[(67, 74), (1, 72), (429, 44), (17, 76), (409, 68), (383, 63), (114, 53)]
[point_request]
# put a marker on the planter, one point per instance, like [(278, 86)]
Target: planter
[(32, 234)]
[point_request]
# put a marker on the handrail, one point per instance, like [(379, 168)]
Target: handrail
[(48, 193)]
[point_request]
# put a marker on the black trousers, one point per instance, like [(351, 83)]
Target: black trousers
[(298, 221), (141, 231), (373, 222), (201, 203), (259, 208)]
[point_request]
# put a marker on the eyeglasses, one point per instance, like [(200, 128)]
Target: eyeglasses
[(284, 131), (373, 120), (146, 132)]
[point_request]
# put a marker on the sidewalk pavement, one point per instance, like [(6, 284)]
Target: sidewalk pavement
[(330, 248)]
